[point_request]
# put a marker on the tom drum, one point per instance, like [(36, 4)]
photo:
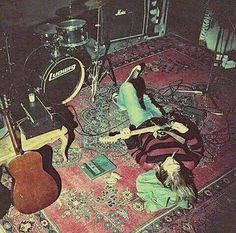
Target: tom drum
[(73, 32)]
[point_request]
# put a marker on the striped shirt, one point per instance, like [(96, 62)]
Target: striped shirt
[(148, 150)]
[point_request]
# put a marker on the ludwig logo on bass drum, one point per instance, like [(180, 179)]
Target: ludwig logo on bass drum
[(62, 72)]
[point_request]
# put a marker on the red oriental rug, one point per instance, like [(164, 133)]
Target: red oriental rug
[(111, 205)]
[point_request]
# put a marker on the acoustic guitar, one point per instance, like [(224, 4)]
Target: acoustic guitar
[(33, 188)]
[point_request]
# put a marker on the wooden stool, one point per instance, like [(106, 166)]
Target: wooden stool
[(7, 152), (37, 142)]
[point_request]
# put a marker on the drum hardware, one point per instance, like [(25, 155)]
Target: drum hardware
[(97, 70), (55, 47), (56, 52), (51, 40), (49, 70), (55, 77)]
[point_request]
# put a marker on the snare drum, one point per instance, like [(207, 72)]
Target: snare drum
[(59, 81), (73, 32)]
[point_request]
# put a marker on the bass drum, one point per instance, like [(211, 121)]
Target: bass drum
[(58, 80)]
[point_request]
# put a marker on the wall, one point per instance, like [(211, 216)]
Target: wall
[(25, 13)]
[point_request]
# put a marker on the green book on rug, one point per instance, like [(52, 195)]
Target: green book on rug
[(97, 166)]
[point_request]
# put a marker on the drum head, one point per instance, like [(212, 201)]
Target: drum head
[(71, 24), (63, 80)]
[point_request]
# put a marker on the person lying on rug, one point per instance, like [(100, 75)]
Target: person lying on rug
[(165, 186), (153, 137)]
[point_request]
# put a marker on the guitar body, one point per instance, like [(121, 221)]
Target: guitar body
[(34, 189)]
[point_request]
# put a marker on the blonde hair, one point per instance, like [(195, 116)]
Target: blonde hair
[(177, 183)]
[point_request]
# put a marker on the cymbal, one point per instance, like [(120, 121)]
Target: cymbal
[(70, 11), (78, 8), (95, 4)]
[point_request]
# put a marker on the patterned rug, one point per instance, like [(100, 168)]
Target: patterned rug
[(109, 203), (214, 211)]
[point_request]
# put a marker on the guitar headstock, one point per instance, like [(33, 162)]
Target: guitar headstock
[(179, 127)]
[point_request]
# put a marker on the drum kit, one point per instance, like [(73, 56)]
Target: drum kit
[(51, 69)]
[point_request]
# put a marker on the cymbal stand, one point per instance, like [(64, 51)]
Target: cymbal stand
[(10, 64), (97, 70)]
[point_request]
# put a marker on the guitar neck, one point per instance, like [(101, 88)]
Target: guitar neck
[(11, 131), (146, 130), (153, 129), (164, 128)]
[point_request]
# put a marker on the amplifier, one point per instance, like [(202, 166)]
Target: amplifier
[(157, 12), (123, 19)]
